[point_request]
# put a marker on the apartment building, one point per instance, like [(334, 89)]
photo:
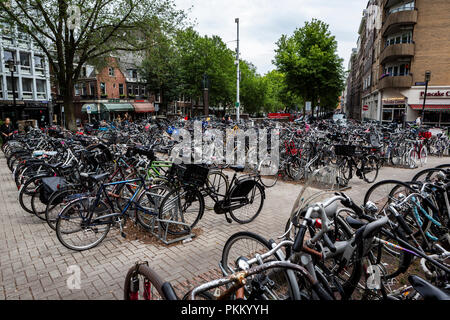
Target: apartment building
[(30, 79), (111, 90), (400, 41)]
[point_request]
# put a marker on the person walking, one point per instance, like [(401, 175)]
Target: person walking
[(6, 130)]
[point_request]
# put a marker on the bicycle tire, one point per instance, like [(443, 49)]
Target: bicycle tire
[(235, 215), (149, 274)]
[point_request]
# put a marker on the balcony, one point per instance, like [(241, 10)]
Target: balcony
[(395, 82), (395, 51), (397, 19)]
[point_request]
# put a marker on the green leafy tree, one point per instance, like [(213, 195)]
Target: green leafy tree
[(313, 70), (74, 32)]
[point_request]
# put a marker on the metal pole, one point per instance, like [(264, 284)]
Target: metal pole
[(238, 71), (424, 102)]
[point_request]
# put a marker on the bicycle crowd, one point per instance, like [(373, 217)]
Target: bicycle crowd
[(83, 184)]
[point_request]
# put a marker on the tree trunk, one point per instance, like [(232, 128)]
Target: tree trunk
[(69, 110)]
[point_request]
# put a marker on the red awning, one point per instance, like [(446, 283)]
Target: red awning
[(143, 107), (430, 106)]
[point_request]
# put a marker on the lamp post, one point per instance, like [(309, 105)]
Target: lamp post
[(205, 82), (12, 67), (427, 80), (238, 73)]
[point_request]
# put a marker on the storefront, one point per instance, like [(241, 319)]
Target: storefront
[(25, 110), (437, 104), (394, 106)]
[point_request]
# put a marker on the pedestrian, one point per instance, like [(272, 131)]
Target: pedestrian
[(6, 130), (418, 121)]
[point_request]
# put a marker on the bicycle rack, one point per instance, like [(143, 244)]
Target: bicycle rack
[(158, 231)]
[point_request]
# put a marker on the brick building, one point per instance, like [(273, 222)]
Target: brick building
[(399, 41)]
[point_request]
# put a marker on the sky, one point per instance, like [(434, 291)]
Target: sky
[(263, 22)]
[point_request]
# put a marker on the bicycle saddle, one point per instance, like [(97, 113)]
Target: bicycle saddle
[(427, 290), (98, 177), (354, 223), (237, 168)]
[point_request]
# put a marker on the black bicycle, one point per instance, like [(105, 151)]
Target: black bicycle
[(243, 200), (357, 158)]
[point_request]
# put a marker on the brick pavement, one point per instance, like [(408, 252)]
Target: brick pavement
[(33, 264)]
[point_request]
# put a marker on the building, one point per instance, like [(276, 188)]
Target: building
[(399, 41), (31, 78), (109, 91)]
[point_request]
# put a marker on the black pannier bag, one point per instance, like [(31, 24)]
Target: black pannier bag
[(49, 186), (243, 188)]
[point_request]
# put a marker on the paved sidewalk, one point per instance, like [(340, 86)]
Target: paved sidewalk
[(33, 264)]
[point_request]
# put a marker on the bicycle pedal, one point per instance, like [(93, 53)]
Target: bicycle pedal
[(123, 234), (228, 219)]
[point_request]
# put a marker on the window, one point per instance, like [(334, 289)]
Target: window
[(27, 85), (121, 89), (130, 90), (40, 86), (77, 89), (136, 90), (92, 89), (8, 55), (83, 72), (25, 59), (400, 69), (142, 91), (102, 88), (111, 71), (83, 89), (405, 37), (402, 7), (132, 73), (39, 62)]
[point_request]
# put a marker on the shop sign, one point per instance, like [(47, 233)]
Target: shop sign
[(394, 101), (435, 95), (366, 108)]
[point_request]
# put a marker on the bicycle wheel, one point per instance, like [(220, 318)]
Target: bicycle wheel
[(73, 230), (56, 203), (268, 171), (142, 283), (345, 170), (185, 205), (150, 201), (247, 245), (370, 170), (217, 186), (380, 193), (26, 193), (412, 159), (423, 156), (427, 175), (295, 169), (36, 205), (245, 203)]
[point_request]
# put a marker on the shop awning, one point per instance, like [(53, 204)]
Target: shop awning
[(430, 106), (143, 107), (118, 107)]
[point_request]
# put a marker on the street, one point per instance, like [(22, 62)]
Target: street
[(34, 265)]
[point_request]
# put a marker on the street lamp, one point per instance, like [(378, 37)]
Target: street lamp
[(12, 67), (238, 73), (205, 82), (427, 80)]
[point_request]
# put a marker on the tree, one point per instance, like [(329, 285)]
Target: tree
[(74, 32), (312, 68), (253, 89)]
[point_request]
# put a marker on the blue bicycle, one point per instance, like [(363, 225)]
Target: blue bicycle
[(85, 221)]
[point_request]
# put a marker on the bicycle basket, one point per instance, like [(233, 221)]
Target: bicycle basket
[(344, 150), (190, 173)]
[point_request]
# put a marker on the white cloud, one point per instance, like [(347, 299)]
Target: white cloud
[(262, 22)]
